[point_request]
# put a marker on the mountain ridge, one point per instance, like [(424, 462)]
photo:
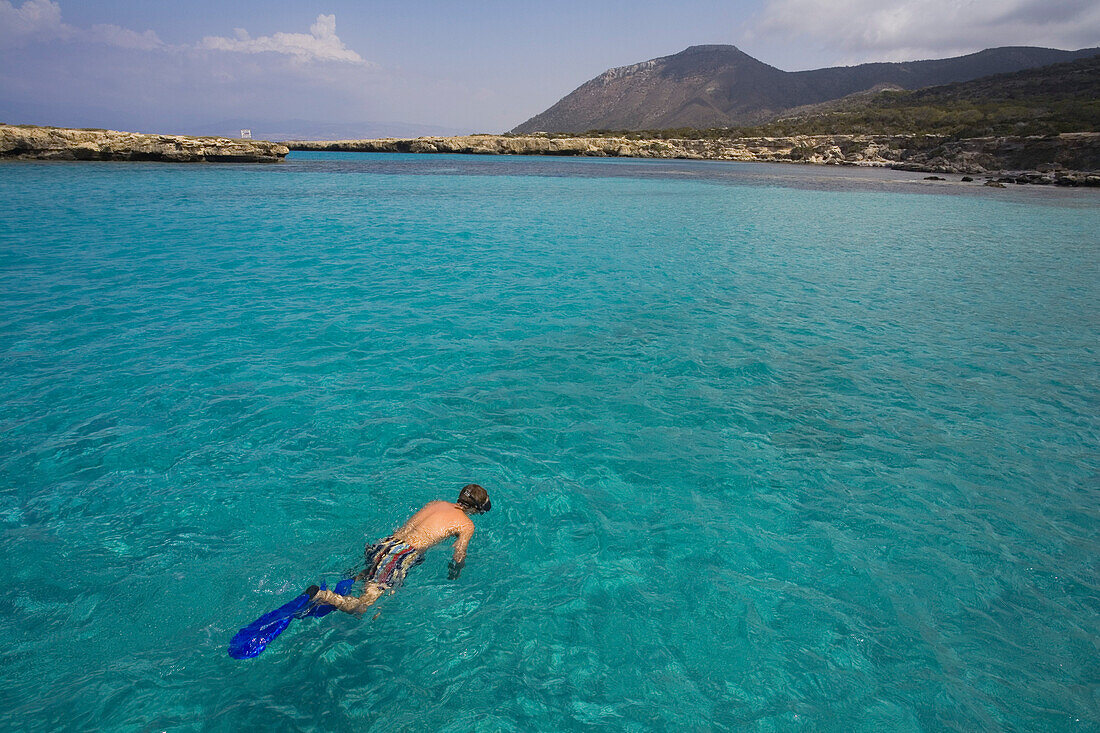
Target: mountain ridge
[(721, 86)]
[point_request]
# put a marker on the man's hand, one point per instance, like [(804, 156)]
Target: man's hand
[(454, 569)]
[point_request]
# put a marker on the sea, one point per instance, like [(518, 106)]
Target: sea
[(769, 447)]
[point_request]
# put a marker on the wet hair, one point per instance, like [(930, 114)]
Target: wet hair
[(474, 498)]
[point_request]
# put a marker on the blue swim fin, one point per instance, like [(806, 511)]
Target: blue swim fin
[(253, 639)]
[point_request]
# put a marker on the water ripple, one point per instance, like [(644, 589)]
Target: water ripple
[(764, 453)]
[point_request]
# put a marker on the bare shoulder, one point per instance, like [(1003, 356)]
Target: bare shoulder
[(456, 515), (448, 513), (458, 519)]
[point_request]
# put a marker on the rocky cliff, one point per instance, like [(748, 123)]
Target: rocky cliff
[(27, 142), (1071, 159)]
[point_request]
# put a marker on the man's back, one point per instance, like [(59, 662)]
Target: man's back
[(437, 521)]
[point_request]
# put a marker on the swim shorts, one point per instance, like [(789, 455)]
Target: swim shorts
[(388, 561)]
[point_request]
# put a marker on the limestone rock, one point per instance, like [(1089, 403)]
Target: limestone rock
[(28, 142), (1071, 159)]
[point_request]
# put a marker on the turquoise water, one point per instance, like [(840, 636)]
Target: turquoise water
[(769, 448)]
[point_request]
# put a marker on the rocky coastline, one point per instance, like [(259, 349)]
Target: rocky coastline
[(1070, 159), (28, 142)]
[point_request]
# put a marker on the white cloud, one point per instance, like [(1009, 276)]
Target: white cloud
[(33, 20), (910, 29), (110, 75), (114, 35), (320, 44), (40, 20)]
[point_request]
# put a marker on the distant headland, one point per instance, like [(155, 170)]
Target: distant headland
[(1069, 159), (30, 142)]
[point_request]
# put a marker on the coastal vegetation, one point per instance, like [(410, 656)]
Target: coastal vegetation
[(1045, 101)]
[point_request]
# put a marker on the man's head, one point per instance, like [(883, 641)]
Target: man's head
[(474, 500)]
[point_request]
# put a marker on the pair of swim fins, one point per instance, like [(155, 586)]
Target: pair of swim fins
[(253, 639)]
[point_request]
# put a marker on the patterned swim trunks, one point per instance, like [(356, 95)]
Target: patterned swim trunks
[(388, 561)]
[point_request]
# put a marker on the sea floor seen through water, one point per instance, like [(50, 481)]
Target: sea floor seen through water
[(769, 447)]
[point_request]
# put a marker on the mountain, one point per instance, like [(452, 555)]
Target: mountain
[(721, 86)]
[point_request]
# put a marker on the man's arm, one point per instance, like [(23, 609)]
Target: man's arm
[(458, 559)]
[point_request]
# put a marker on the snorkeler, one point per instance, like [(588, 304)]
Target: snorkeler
[(388, 560)]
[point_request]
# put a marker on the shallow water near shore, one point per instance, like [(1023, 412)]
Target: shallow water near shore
[(769, 447)]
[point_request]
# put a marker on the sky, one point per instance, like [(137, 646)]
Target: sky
[(439, 66)]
